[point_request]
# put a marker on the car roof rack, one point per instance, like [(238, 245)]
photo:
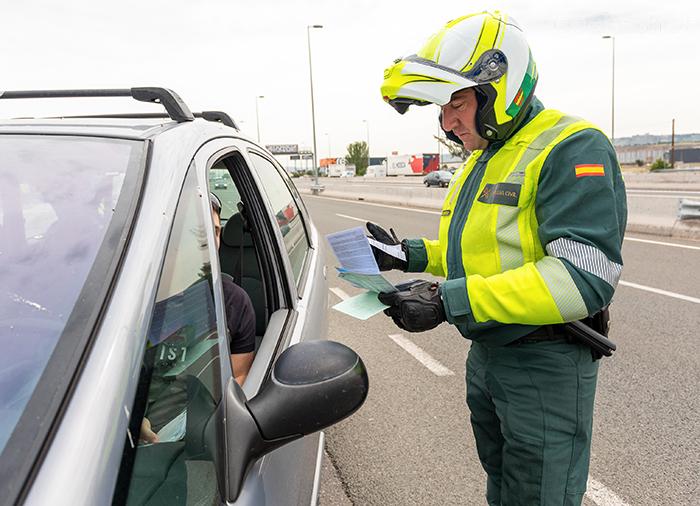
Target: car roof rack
[(174, 106), (216, 116)]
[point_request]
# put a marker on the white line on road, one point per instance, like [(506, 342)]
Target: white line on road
[(651, 196), (601, 495), (661, 292), (356, 219), (435, 367), (340, 293), (662, 243), (402, 208)]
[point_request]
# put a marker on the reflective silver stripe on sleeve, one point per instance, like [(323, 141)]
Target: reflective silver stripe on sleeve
[(586, 258)]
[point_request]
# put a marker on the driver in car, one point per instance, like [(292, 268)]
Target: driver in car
[(240, 320)]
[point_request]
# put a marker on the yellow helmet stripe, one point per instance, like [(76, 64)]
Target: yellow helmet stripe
[(502, 31), (395, 80), (431, 49), (428, 51), (487, 39)]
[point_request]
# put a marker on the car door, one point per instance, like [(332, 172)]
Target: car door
[(290, 474)]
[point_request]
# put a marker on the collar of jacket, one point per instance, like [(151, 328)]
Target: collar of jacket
[(534, 109)]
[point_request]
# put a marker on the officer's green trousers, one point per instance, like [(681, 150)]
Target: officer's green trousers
[(532, 412)]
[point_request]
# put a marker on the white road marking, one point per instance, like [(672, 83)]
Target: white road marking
[(661, 292), (402, 208), (601, 495), (357, 219), (652, 196), (662, 243), (416, 352), (340, 293)]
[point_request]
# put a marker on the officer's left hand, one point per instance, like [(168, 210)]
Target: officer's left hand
[(415, 310)]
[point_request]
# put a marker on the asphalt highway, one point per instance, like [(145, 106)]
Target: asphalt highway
[(411, 442)]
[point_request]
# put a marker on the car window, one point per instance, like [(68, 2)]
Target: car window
[(221, 184), (57, 200), (178, 437), (286, 212)]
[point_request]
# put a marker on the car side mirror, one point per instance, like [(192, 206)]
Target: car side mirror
[(313, 385)]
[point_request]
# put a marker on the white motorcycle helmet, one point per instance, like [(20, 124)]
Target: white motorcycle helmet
[(485, 51)]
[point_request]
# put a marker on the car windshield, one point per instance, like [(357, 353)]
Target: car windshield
[(57, 197)]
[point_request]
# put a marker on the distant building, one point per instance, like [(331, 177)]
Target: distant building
[(649, 153)]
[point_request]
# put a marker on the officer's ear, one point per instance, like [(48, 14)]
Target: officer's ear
[(451, 136)]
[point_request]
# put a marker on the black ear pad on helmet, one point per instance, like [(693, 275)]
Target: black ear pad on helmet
[(486, 124)]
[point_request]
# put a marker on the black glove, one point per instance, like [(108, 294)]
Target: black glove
[(385, 261), (417, 309)]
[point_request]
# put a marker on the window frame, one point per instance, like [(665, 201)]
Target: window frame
[(304, 272), (276, 270)]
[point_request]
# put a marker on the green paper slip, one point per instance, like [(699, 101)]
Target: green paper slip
[(371, 282), (361, 306)]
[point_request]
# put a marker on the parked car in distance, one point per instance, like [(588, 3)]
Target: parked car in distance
[(116, 381), (437, 178)]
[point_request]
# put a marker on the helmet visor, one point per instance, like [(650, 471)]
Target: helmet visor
[(414, 80)]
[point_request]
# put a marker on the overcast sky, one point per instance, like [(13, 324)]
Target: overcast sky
[(221, 54)]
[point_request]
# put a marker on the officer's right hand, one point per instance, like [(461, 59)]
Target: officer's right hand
[(385, 261)]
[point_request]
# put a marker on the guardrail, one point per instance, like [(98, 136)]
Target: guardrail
[(688, 209)]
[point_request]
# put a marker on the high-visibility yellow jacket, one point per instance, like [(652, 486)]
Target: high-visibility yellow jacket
[(531, 230)]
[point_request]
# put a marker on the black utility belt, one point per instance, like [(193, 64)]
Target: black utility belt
[(544, 333), (573, 332)]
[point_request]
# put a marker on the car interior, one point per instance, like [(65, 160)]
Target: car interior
[(238, 256)]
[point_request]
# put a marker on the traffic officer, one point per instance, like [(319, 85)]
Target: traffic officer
[(530, 238)]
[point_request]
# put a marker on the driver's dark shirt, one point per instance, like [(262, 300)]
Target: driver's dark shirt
[(240, 317)]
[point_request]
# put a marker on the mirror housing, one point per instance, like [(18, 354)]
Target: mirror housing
[(313, 385)]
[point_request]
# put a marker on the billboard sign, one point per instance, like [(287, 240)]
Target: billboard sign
[(283, 149)]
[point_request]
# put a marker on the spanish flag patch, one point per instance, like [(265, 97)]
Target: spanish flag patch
[(590, 169)]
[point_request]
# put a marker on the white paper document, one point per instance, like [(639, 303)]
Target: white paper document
[(353, 251), (359, 268)]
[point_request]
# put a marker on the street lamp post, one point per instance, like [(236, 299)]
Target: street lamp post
[(612, 128), (257, 116), (369, 158), (315, 189)]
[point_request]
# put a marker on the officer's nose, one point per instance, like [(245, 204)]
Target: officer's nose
[(449, 119)]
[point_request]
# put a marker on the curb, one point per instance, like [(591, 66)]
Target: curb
[(688, 229)]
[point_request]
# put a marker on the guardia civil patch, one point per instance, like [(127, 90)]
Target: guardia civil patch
[(506, 194), (589, 169)]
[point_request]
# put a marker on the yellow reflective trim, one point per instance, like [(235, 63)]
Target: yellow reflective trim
[(502, 33), (455, 22), (395, 80), (487, 39), (430, 48), (435, 265), (499, 105), (528, 299)]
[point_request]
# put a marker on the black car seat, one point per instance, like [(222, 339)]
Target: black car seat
[(237, 243)]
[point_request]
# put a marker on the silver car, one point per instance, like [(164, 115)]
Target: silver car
[(438, 178), (112, 315)]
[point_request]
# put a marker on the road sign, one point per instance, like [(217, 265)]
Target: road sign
[(283, 149)]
